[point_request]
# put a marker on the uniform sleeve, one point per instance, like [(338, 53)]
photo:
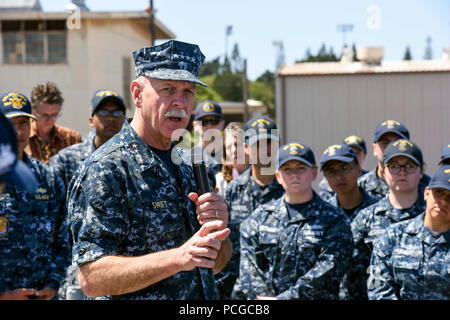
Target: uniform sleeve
[(323, 279), (380, 285), (57, 164), (96, 207), (253, 277), (60, 245)]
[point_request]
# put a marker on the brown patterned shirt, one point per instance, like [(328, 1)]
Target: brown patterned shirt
[(60, 138)]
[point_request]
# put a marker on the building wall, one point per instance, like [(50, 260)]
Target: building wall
[(95, 61), (322, 110)]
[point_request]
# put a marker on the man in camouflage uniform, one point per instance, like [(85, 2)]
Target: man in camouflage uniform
[(358, 145), (254, 187), (411, 259), (385, 132), (107, 117), (341, 167), (297, 246), (34, 246), (133, 205), (402, 168)]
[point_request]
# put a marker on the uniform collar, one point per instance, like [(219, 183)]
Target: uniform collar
[(417, 228)]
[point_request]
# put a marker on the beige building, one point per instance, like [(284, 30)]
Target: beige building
[(81, 51), (321, 103)]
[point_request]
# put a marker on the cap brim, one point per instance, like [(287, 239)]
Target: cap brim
[(309, 164), (439, 185), (339, 158), (262, 136), (21, 177), (174, 75), (403, 155), (20, 114), (392, 131)]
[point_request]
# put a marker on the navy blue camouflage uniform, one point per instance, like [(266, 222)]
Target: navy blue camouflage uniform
[(34, 246), (293, 257), (243, 195), (125, 202), (409, 262), (369, 224)]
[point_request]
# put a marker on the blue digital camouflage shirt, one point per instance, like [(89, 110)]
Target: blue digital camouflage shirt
[(377, 187), (409, 262), (294, 257), (67, 160), (367, 201), (34, 247), (367, 226), (126, 203), (242, 196)]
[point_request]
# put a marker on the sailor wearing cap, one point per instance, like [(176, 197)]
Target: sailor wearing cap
[(33, 232), (255, 186), (140, 229), (402, 170), (411, 259), (297, 246)]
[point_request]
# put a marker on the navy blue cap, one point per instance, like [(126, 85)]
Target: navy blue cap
[(390, 126), (102, 96), (296, 151), (445, 154), (259, 128), (339, 152), (172, 60), (355, 141), (14, 104), (441, 178), (12, 170), (405, 148), (207, 108)]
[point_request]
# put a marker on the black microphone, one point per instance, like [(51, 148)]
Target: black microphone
[(200, 173)]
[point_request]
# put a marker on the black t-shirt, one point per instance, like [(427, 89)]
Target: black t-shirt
[(166, 157), (293, 209)]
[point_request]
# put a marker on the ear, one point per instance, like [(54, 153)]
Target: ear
[(374, 149), (91, 121), (136, 90), (315, 172), (426, 193), (278, 176), (222, 124)]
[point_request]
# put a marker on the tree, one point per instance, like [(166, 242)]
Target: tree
[(210, 68), (407, 55)]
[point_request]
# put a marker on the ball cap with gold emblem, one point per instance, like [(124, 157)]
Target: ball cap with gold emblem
[(101, 96), (339, 152), (296, 151), (12, 170), (207, 108), (390, 126), (14, 104), (441, 178), (259, 128), (404, 148), (355, 141)]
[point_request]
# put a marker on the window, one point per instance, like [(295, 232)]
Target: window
[(34, 41)]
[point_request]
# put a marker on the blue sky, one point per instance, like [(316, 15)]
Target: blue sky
[(298, 24)]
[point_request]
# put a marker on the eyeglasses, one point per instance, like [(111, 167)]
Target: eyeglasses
[(106, 113), (345, 169), (48, 116), (395, 167), (213, 121)]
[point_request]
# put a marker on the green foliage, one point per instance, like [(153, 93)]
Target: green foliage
[(322, 56), (407, 55), (263, 92)]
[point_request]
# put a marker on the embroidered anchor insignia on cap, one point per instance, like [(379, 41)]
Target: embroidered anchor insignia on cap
[(208, 107), (390, 124), (353, 140), (17, 101), (331, 150), (403, 145)]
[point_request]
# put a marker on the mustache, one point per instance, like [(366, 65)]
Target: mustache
[(179, 113)]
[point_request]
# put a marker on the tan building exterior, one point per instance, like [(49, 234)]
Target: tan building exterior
[(96, 54), (322, 103)]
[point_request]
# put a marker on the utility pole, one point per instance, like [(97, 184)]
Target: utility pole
[(245, 91), (152, 24), (344, 28), (280, 55)]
